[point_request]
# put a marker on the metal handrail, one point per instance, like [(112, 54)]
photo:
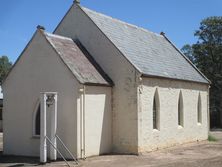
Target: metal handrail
[(67, 149), (57, 151)]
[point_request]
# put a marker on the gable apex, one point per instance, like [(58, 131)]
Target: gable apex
[(75, 58), (18, 59), (76, 2)]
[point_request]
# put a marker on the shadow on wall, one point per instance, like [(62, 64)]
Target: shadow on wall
[(177, 84), (105, 135), (103, 116)]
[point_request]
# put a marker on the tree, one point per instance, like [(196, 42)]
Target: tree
[(187, 51), (5, 66), (206, 54)]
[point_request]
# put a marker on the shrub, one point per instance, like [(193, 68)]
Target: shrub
[(212, 138)]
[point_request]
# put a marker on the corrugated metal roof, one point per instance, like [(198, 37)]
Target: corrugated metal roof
[(152, 54), (77, 59)]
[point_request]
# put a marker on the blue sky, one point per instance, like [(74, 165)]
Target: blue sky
[(177, 18)]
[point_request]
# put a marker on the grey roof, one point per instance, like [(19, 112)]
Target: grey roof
[(77, 59), (152, 54)]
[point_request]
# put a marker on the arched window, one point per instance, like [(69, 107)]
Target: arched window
[(36, 121), (199, 109), (180, 110), (156, 111)]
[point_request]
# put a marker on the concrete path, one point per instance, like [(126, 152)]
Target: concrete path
[(202, 154)]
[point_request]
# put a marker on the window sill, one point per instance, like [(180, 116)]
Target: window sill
[(180, 127), (36, 137), (155, 130), (199, 124)]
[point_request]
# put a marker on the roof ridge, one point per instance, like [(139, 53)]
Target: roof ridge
[(120, 21)]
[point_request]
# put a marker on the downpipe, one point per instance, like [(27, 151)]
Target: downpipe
[(84, 128), (82, 123)]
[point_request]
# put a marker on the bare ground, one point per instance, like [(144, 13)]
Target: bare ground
[(202, 154)]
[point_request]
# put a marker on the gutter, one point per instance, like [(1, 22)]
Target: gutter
[(174, 79), (84, 133)]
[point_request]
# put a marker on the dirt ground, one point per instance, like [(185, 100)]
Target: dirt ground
[(202, 154)]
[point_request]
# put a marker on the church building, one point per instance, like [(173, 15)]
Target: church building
[(120, 88)]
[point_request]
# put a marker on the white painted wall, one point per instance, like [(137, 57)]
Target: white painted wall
[(98, 120), (41, 70), (124, 100), (38, 70), (170, 133)]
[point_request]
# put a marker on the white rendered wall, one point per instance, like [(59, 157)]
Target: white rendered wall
[(38, 70), (98, 117), (124, 96), (170, 133)]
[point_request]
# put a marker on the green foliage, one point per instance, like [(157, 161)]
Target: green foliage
[(206, 54), (212, 138), (5, 66), (187, 51)]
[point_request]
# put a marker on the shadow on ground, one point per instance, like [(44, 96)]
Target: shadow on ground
[(13, 161), (201, 154)]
